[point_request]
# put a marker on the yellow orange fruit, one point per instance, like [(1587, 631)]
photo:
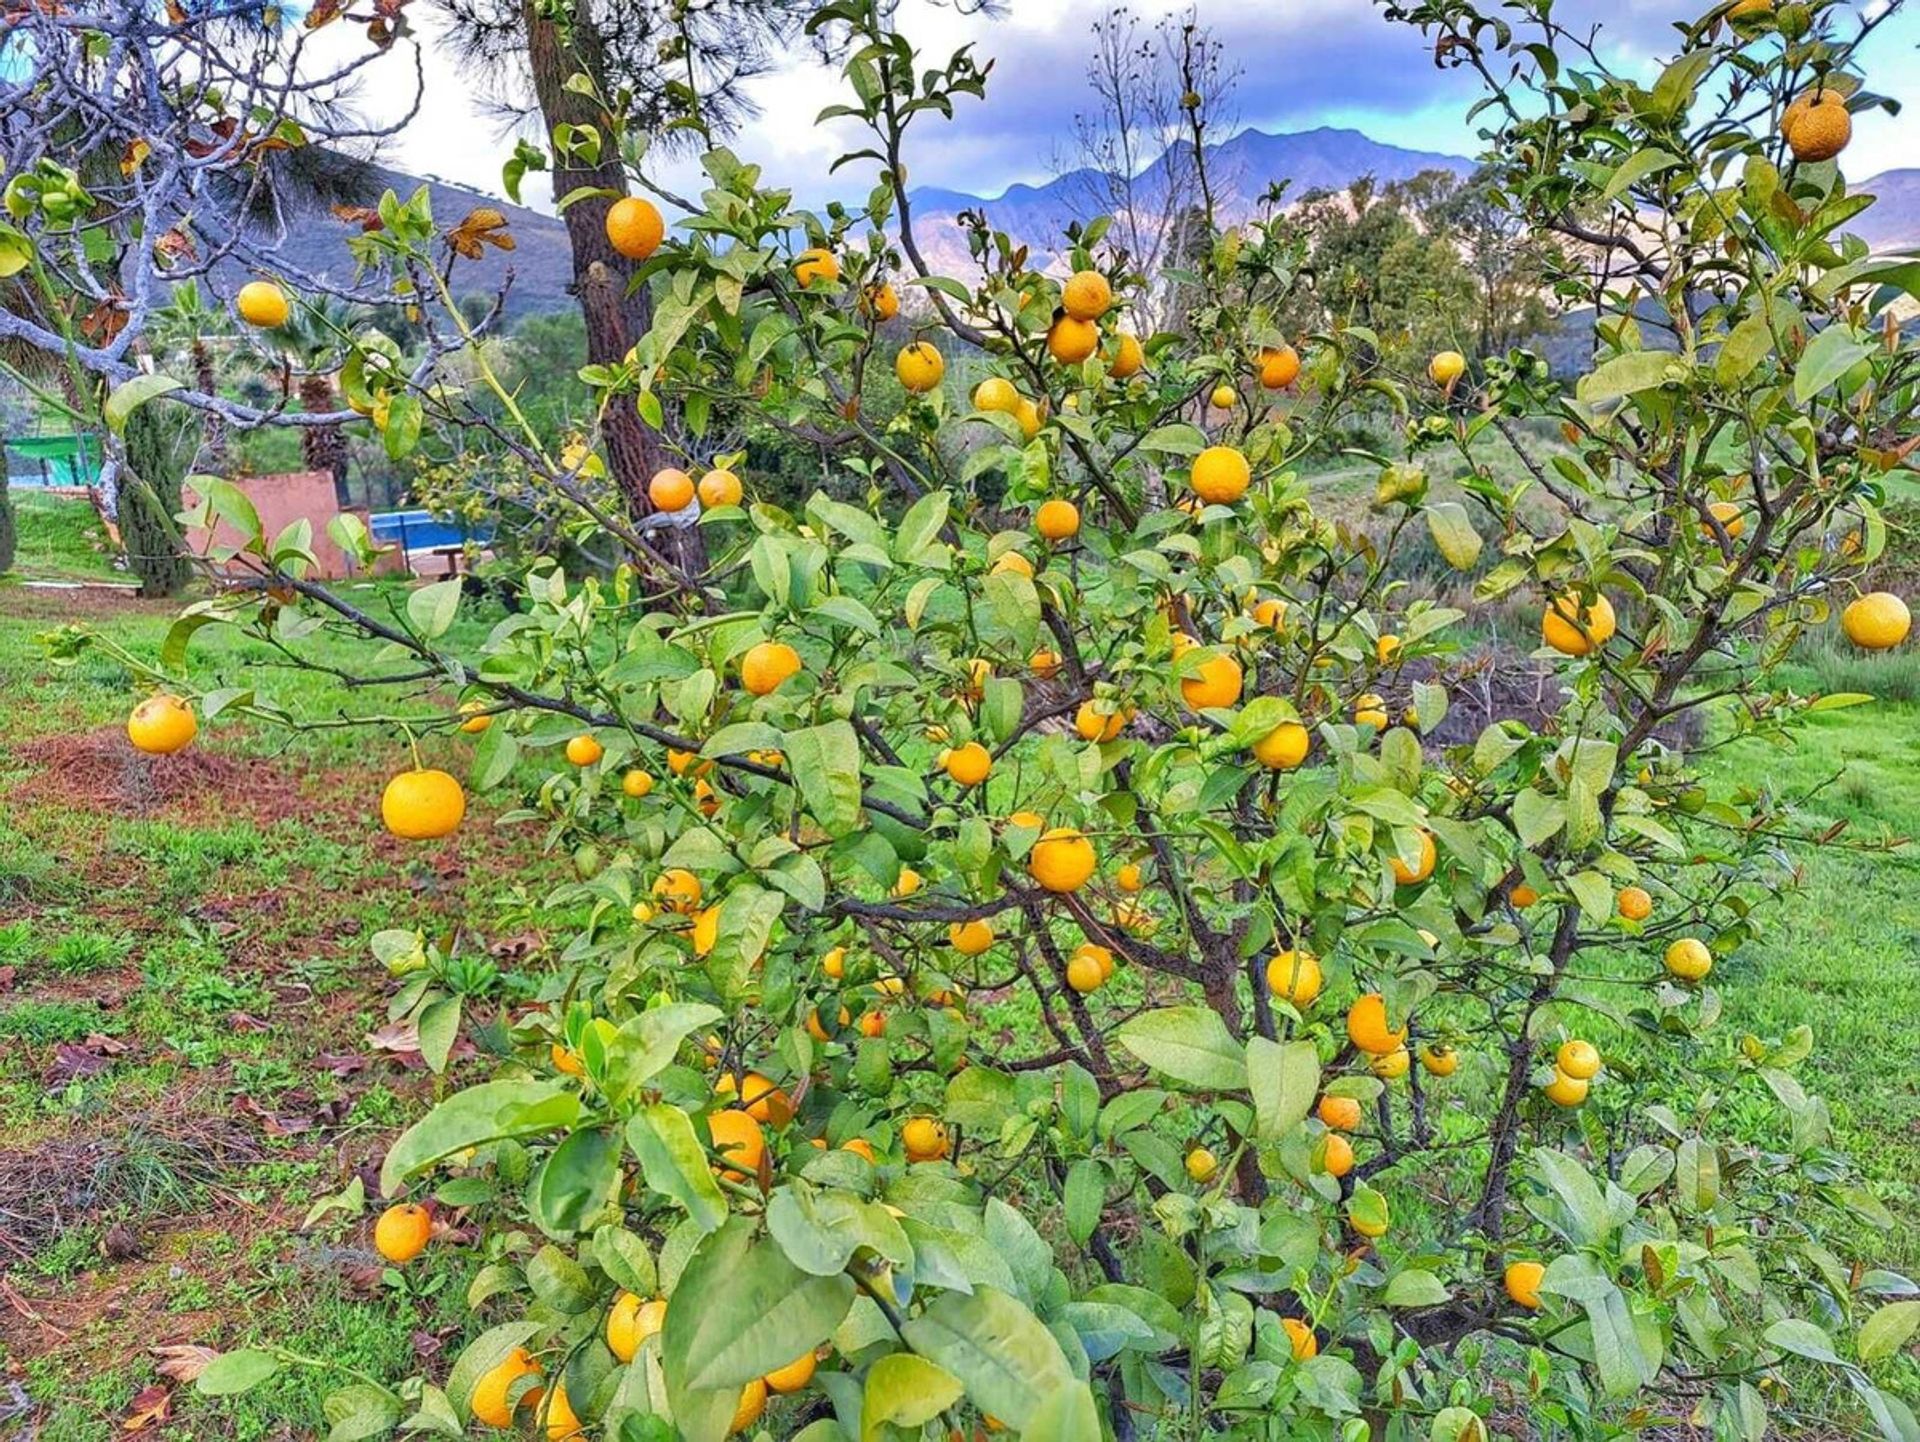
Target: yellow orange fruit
[(1057, 520), (561, 1420), (584, 750), (758, 1096), (1689, 959), (671, 489), (1202, 1165), (816, 266), (1566, 1091), (1367, 1026), (795, 1375), (1578, 1059), (1572, 631), (1220, 475), (1392, 1065), (162, 725), (1084, 973), (1818, 125), (968, 764), (402, 1232), (635, 227), (720, 488), (1271, 612), (1216, 683), (263, 305), (478, 718), (631, 1321), (1523, 896), (1128, 878), (1027, 413), (1634, 903), (996, 393), (1099, 955), (1371, 710), (1128, 357), (1878, 621), (1086, 295), (906, 883), (970, 938), (919, 367), (736, 1137), (1423, 865), (1300, 1338), (860, 1147), (1223, 397), (1446, 367), (1295, 975), (491, 1402), (1337, 1158), (766, 665), (753, 1402), (1062, 860), (925, 1140), (881, 301), (1093, 724), (677, 889), (1044, 663), (1279, 367), (1727, 513), (422, 805), (1071, 341), (637, 783), (1342, 1114), (1522, 1281)]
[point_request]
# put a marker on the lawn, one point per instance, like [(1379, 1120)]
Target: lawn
[(193, 1045)]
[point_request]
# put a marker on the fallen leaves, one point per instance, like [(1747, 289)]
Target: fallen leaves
[(183, 1361), (74, 1061), (149, 1408)]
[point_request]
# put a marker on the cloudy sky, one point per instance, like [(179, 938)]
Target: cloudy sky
[(1303, 63)]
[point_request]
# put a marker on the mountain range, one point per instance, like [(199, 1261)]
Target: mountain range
[(1241, 170)]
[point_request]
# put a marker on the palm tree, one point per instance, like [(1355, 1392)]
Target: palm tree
[(311, 347), (191, 326)]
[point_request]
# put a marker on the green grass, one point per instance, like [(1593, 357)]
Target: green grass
[(60, 539)]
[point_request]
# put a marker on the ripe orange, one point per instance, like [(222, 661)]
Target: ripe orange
[(753, 1401), (1300, 1338), (1446, 367), (1044, 663), (968, 764), (834, 963), (925, 1140), (491, 1402), (584, 750), (478, 719), (757, 1096), (637, 783), (1056, 520), (1127, 878), (562, 1422), (1689, 959), (1572, 632), (1818, 125), (1279, 367), (815, 265), (1522, 896), (1216, 683), (873, 1023), (162, 725), (401, 1233), (919, 367), (678, 889), (670, 489), (1071, 341), (792, 1377), (720, 488), (1727, 513), (736, 1136), (1393, 1065), (263, 304), (1578, 1059), (1220, 475), (881, 301), (970, 938), (1296, 976), (1271, 612), (1342, 1114), (1098, 955), (1371, 710), (631, 1322), (1128, 357), (1093, 724), (860, 1147), (1084, 973), (1223, 397), (1422, 868), (1338, 1156), (1878, 621), (1062, 860), (1634, 903), (907, 884), (1522, 1281), (1439, 1060), (1566, 1091), (565, 1061), (1202, 1165), (634, 227), (1367, 1026), (996, 393), (1086, 295), (766, 665), (422, 805), (1027, 413)]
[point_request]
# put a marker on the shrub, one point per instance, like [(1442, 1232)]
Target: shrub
[(8, 537), (1043, 975)]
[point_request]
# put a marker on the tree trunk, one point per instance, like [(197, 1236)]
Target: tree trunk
[(615, 319), (323, 448), (214, 435), (149, 500)]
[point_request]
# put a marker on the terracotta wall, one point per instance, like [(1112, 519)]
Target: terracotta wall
[(282, 500)]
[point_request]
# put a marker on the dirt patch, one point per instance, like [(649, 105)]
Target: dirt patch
[(75, 603), (100, 771)]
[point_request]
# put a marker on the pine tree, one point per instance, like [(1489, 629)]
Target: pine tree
[(149, 500)]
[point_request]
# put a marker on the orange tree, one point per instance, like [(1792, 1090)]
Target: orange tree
[(1033, 968)]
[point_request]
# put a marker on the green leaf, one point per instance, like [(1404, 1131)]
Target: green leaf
[(489, 1112), (1067, 1414), (1636, 168), (1086, 1190), (1415, 1288), (1803, 1339), (1749, 343), (559, 1281), (576, 1181), (675, 1165), (820, 1229), (825, 764), (481, 1356), (131, 394), (1537, 816), (232, 505), (742, 1310), (405, 416), (1284, 1080), (1190, 1044), (1005, 1357), (359, 1410), (906, 1391), (1887, 1330), (431, 609), (645, 1045), (1626, 375), (1828, 357), (1015, 604), (234, 1372), (1581, 1215), (1454, 534)]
